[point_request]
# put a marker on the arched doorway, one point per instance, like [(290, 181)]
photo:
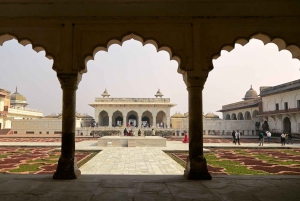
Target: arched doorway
[(240, 116), (287, 125), (117, 118), (132, 118), (247, 116), (254, 114), (103, 118), (227, 117), (233, 116), (147, 119), (161, 119)]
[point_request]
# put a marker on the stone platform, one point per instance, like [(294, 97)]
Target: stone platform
[(130, 141)]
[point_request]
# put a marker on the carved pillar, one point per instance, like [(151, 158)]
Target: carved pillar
[(67, 164), (196, 167)]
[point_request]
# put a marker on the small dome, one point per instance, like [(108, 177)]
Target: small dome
[(158, 94), (16, 97), (105, 94), (177, 115), (211, 115), (250, 94)]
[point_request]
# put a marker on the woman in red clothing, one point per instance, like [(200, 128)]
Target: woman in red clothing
[(186, 138)]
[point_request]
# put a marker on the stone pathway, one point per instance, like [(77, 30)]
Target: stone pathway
[(136, 161)]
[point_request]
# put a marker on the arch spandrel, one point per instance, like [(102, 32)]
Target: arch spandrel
[(42, 38), (220, 36), (173, 38)]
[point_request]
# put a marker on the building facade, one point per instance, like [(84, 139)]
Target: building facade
[(138, 112), (281, 107), (14, 106)]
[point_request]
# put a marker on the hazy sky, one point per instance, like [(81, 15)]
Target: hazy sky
[(139, 71)]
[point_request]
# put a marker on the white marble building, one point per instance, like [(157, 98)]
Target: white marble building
[(14, 106), (281, 107), (153, 112)]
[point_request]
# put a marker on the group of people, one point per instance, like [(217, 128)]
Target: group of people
[(286, 137), (236, 135), (131, 132)]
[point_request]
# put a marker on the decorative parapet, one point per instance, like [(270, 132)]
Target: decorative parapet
[(134, 100), (26, 111), (291, 110)]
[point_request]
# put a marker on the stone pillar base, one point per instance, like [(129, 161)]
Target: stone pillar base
[(196, 169), (67, 169)]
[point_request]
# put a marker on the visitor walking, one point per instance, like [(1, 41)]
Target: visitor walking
[(261, 139), (282, 137), (139, 132), (269, 136), (153, 132), (237, 138), (125, 132), (186, 139), (233, 136)]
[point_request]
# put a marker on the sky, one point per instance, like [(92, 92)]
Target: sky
[(136, 71)]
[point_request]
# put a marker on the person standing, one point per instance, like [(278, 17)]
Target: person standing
[(139, 132), (125, 132), (282, 137), (261, 138), (153, 132), (233, 136), (269, 136), (237, 137)]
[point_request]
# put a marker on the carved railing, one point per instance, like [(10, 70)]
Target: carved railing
[(291, 110)]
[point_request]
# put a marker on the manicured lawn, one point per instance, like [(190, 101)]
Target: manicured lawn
[(248, 161), (38, 160)]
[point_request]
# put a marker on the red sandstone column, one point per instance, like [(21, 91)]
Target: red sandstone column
[(196, 167), (67, 164)]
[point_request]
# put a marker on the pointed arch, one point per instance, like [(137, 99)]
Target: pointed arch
[(25, 41), (139, 38), (265, 38)]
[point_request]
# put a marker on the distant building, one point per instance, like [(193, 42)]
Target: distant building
[(280, 107), (138, 112), (14, 106)]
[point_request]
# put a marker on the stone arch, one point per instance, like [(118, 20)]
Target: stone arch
[(227, 117), (247, 115), (117, 118), (161, 117), (287, 125), (265, 38), (139, 38), (26, 41), (147, 117), (240, 116), (103, 118), (132, 118), (233, 116), (254, 114)]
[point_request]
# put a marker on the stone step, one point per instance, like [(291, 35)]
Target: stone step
[(131, 143)]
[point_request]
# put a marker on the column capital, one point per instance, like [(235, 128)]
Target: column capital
[(69, 80), (193, 80)]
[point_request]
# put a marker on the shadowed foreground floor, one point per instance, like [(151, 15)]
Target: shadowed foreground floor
[(148, 187)]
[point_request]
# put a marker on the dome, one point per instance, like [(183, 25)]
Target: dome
[(177, 115), (250, 94), (211, 115), (17, 98)]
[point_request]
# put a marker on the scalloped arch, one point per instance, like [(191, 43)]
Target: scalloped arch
[(138, 38), (24, 42), (265, 38)]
